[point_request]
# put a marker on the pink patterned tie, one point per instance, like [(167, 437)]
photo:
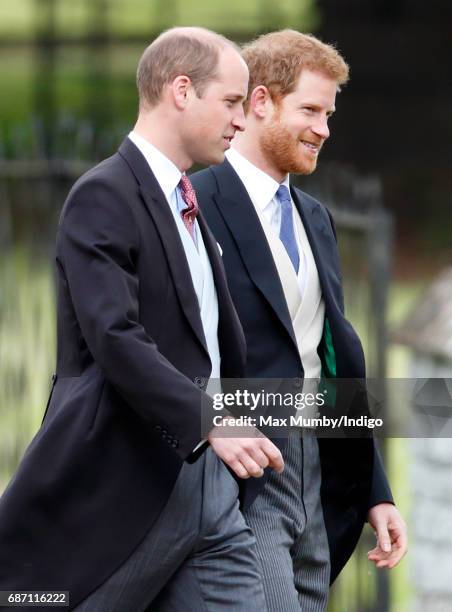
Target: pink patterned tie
[(189, 196)]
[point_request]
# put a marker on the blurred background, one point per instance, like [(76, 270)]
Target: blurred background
[(68, 99)]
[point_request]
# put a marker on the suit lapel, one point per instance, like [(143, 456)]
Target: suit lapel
[(239, 214), (323, 248), (160, 212), (214, 255)]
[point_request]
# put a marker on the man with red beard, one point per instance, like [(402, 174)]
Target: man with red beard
[(281, 259)]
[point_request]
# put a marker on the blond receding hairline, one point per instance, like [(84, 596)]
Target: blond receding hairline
[(188, 51)]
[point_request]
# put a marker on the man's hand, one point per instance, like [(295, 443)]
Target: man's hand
[(248, 455), (391, 533)]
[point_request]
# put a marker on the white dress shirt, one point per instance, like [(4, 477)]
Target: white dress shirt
[(262, 188), (168, 177), (167, 174), (304, 300)]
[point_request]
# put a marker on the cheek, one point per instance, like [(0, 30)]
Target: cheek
[(296, 125), (288, 129), (214, 122), (298, 128), (207, 129), (200, 124)]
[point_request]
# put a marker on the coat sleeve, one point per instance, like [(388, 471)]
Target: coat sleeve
[(380, 491), (98, 243)]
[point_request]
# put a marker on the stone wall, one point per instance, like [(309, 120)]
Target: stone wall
[(430, 536)]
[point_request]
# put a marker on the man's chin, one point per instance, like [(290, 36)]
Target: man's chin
[(212, 159), (305, 168), (295, 164)]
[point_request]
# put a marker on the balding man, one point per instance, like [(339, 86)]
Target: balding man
[(110, 501)]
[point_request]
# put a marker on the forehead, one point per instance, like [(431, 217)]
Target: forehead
[(315, 87), (232, 69)]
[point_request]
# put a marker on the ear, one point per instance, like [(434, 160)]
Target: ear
[(260, 101), (181, 89)]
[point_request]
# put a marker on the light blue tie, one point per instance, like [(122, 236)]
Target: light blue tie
[(287, 232)]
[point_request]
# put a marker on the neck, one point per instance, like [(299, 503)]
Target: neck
[(247, 143), (158, 128)]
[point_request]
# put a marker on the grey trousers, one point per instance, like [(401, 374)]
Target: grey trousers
[(287, 521), (199, 555)]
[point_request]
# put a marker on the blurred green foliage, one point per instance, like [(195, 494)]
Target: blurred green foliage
[(124, 18), (81, 80), (27, 350), (90, 71)]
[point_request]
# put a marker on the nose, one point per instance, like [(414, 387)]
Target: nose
[(238, 120), (321, 128)]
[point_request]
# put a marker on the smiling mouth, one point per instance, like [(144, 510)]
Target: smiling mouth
[(313, 148)]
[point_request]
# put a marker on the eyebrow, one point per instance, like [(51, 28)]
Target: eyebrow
[(235, 96), (317, 107)]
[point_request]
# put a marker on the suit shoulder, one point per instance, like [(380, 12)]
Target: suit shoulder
[(113, 170), (314, 204), (309, 199), (204, 181), (111, 174), (103, 192)]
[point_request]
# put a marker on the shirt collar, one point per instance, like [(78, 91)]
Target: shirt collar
[(261, 186), (166, 173)]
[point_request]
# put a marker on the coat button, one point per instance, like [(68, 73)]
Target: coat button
[(158, 427), (199, 381)]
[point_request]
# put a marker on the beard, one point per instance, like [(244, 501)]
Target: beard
[(283, 151)]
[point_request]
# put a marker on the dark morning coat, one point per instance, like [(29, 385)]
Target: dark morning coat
[(125, 407), (353, 479)]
